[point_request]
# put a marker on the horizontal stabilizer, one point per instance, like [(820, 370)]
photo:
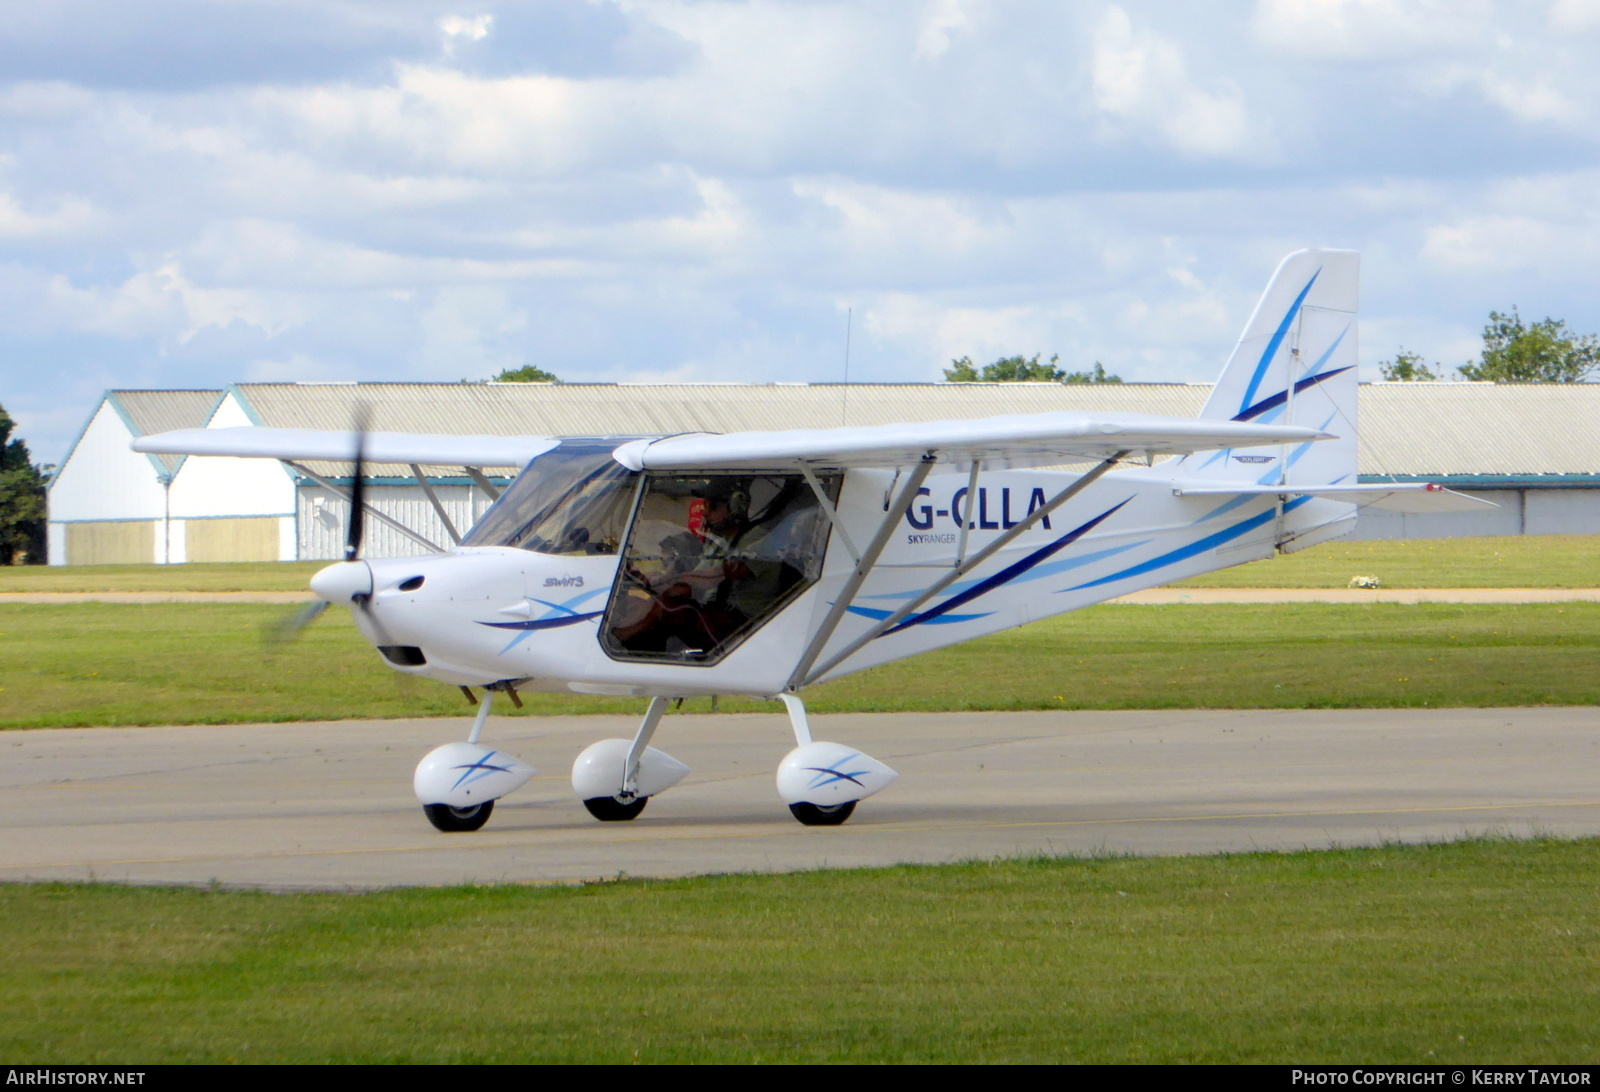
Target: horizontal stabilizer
[(1395, 496), (433, 449), (1038, 439)]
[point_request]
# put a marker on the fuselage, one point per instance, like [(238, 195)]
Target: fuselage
[(647, 601)]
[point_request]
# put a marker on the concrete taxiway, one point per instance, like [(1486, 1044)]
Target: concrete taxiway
[(329, 805)]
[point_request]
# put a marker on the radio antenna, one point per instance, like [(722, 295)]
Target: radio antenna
[(844, 405)]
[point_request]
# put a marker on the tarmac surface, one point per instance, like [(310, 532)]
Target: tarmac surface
[(329, 805)]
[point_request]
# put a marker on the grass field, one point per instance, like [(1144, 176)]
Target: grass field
[(1531, 561), (1485, 951), (1537, 561), (291, 576), (100, 664)]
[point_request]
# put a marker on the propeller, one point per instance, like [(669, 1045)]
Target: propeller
[(358, 487), (291, 626)]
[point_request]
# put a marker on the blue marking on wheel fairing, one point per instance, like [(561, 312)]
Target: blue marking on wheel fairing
[(827, 776), (477, 771)]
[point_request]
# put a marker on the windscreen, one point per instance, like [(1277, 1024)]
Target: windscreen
[(710, 559), (573, 499)]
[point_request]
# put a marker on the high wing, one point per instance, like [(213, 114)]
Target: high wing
[(1010, 442), (1395, 496), (432, 449)]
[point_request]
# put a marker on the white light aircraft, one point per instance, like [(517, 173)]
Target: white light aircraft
[(760, 563)]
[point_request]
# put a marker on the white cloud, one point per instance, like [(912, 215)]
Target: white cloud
[(941, 20), (1142, 79), (1106, 181), (1567, 15), (473, 29), (1365, 30), (70, 218)]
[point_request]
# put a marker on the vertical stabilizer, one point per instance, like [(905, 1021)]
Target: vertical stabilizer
[(1295, 364)]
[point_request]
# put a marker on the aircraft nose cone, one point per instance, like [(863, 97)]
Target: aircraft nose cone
[(342, 581)]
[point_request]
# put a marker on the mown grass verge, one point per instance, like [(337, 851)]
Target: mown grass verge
[(290, 576), (1529, 561), (104, 664), (1533, 561), (1481, 951)]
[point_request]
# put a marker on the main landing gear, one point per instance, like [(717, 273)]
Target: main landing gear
[(458, 783), (615, 778), (822, 782)]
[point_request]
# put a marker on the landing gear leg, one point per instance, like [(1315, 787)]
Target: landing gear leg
[(822, 782), (627, 804)]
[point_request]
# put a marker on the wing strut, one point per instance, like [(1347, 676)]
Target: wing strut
[(864, 564), (371, 511), (962, 569), (433, 499), (833, 516), (483, 483)]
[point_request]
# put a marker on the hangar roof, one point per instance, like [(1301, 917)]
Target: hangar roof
[(1441, 430), (1467, 429), (149, 412)]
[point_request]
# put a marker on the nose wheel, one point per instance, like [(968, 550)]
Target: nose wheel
[(453, 820)]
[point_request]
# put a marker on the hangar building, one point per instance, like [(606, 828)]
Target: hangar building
[(1534, 449)]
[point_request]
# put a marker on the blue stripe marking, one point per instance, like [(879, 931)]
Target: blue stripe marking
[(544, 623), (1185, 552), (1225, 507), (570, 604), (1039, 573), (1277, 340), (1009, 573), (879, 615), (559, 614), (1278, 400)]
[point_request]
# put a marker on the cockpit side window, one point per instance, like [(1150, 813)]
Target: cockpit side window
[(709, 560), (572, 500)]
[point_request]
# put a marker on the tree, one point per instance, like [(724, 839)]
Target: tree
[(1097, 376), (1544, 352), (526, 374), (22, 505), (1021, 369), (1409, 368)]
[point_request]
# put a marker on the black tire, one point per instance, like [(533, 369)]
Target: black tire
[(819, 815), (457, 820), (608, 809)]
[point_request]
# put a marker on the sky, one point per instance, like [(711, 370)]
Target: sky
[(199, 192)]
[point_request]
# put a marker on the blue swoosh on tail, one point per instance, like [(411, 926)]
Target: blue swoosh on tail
[(1277, 340)]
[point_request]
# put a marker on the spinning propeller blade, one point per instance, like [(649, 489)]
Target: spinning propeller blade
[(290, 626), (358, 508)]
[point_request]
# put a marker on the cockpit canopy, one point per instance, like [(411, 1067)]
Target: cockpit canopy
[(572, 500)]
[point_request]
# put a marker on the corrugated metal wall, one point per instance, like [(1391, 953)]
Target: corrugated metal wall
[(322, 519)]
